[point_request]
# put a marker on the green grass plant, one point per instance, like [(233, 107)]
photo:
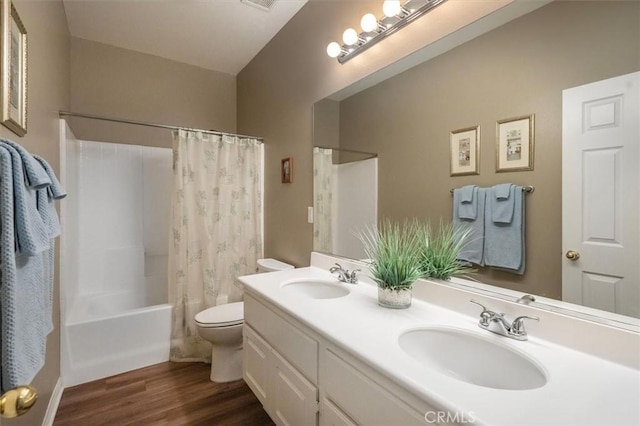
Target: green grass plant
[(394, 250), (440, 250)]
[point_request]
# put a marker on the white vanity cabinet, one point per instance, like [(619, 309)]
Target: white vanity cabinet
[(303, 379), (280, 366)]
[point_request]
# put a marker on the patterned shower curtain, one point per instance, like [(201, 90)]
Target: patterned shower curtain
[(323, 183), (216, 229)]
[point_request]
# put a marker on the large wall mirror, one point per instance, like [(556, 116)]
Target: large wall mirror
[(518, 69)]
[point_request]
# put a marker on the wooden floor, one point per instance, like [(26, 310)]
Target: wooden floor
[(163, 394)]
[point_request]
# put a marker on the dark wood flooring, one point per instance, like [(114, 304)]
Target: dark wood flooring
[(168, 394)]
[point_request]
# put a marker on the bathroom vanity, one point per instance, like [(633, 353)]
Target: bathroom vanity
[(318, 351)]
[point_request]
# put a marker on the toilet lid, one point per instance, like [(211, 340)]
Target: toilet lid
[(222, 315), (273, 265)]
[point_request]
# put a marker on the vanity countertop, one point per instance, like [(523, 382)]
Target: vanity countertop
[(581, 389)]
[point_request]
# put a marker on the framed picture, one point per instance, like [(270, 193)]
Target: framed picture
[(286, 170), (13, 69), (465, 152), (514, 149)]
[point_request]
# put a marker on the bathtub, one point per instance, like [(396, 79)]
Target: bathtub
[(111, 333), (113, 257)]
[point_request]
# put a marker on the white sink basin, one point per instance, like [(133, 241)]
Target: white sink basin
[(316, 288), (469, 357)]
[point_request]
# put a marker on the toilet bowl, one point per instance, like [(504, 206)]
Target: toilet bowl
[(222, 327)]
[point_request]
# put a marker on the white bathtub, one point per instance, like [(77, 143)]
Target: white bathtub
[(113, 257), (111, 333)]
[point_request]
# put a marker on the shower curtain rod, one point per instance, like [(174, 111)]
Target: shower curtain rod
[(142, 123)]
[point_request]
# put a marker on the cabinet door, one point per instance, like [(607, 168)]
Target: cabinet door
[(295, 399), (256, 356), (331, 415), (362, 398)]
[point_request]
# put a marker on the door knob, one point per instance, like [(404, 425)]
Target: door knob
[(572, 255), (17, 401)]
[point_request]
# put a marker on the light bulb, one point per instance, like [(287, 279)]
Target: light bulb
[(350, 36), (334, 49), (369, 22), (391, 8)]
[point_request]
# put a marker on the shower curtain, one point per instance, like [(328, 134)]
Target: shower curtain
[(216, 229), (323, 183)]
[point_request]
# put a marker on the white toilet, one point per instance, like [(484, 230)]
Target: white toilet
[(222, 327)]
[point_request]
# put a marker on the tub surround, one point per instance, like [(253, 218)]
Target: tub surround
[(585, 384)]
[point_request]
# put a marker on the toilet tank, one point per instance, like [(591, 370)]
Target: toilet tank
[(270, 265)]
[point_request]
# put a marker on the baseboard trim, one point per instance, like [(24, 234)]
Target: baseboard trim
[(52, 408)]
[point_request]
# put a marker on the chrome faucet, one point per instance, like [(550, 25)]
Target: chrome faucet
[(496, 323), (345, 275)]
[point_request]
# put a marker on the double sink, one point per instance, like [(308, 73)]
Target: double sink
[(465, 355)]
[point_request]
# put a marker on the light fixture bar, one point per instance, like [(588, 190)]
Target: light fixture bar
[(349, 52)]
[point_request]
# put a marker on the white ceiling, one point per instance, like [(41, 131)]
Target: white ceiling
[(220, 35)]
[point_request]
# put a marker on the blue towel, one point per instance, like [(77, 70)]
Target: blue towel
[(35, 176), (54, 191), (473, 251), (26, 279), (468, 207), (31, 234), (46, 199), (504, 244), (502, 202)]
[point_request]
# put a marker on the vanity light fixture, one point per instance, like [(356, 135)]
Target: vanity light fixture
[(395, 16)]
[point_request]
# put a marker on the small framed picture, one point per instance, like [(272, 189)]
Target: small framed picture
[(286, 170), (13, 36), (514, 144), (465, 152)]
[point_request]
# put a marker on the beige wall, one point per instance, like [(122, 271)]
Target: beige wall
[(517, 69), (48, 82), (114, 82), (326, 123), (277, 89)]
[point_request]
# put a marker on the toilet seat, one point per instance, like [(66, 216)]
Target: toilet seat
[(226, 315)]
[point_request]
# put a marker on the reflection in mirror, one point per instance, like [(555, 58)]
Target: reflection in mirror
[(518, 69), (345, 186)]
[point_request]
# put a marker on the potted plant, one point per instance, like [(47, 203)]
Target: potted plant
[(394, 252), (441, 249)]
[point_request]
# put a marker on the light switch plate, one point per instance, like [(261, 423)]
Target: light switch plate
[(309, 214)]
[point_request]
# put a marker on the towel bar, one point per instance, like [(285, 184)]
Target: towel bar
[(526, 189)]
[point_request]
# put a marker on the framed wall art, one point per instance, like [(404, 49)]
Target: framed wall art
[(13, 69), (514, 144), (286, 170), (465, 152)]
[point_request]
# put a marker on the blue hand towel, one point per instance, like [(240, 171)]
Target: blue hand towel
[(46, 205), (31, 235), (55, 190), (36, 176), (473, 251), (504, 243), (502, 202), (468, 207)]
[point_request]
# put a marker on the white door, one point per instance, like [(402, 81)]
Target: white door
[(601, 191)]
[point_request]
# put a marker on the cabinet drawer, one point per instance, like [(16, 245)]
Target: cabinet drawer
[(361, 398), (294, 345)]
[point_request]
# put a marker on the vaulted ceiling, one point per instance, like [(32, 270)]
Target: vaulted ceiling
[(220, 35)]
